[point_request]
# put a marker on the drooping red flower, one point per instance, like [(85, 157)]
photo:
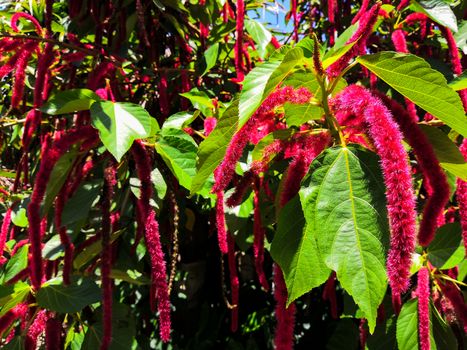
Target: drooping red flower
[(258, 238), (35, 329), (220, 223), (20, 72), (53, 334), (456, 299), (284, 334), (209, 125), (360, 37), (234, 283), (15, 18), (239, 40), (16, 312), (431, 169), (361, 11), (461, 195), (423, 295), (356, 100), (4, 233)]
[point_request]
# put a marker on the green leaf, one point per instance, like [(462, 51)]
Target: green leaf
[(78, 206), (439, 11), (413, 77), (295, 249), (10, 296), (58, 177), (55, 296), (53, 249), (210, 57), (179, 120), (344, 202), (459, 83), (91, 251), (127, 277), (212, 150), (123, 330), (17, 263), (296, 114), (262, 80), (281, 134), (260, 35), (178, 150), (407, 326), (448, 154), (70, 101), (200, 100), (119, 124), (446, 250), (17, 343), (442, 334), (19, 217)]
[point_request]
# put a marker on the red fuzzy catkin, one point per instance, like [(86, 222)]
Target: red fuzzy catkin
[(209, 125), (423, 295), (403, 4), (50, 155), (429, 164), (275, 42), (106, 257), (363, 333), (239, 42), (455, 59), (360, 37), (400, 44), (15, 18), (456, 298), (20, 70), (3, 234), (284, 333), (356, 100), (35, 329), (147, 215), (53, 334), (461, 196), (7, 319), (234, 283), (293, 9), (220, 222), (361, 11), (329, 293), (258, 237)]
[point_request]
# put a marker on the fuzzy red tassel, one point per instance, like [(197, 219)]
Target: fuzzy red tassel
[(53, 334), (423, 295), (36, 328), (234, 283), (258, 238), (15, 18), (220, 221), (239, 40), (7, 319), (284, 334), (4, 233), (361, 11), (358, 101)]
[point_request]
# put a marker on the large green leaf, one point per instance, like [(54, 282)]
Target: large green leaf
[(212, 150), (262, 80), (210, 57), (180, 120), (123, 330), (55, 296), (448, 154), (295, 249), (16, 264), (12, 295), (344, 203), (179, 153), (119, 124), (443, 337), (446, 250), (413, 77), (439, 11), (407, 326), (70, 101), (79, 205), (296, 114), (459, 83), (260, 35)]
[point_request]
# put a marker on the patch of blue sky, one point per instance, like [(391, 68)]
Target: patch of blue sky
[(272, 15)]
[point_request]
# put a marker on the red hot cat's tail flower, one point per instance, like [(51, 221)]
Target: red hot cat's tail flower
[(433, 174), (234, 283), (284, 334), (359, 38), (361, 11), (461, 195), (423, 294), (258, 238), (356, 100)]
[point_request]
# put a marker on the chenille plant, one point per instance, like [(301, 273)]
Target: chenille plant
[(185, 175)]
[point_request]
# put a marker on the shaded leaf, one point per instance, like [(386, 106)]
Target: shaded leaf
[(439, 11), (70, 101), (407, 326), (446, 250)]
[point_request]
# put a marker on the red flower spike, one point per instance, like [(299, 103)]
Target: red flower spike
[(423, 295), (456, 298), (356, 100), (329, 293), (220, 222), (239, 40), (147, 218), (429, 164), (284, 334), (258, 238), (106, 256), (50, 155), (21, 64), (240, 189), (15, 18), (3, 234), (234, 283), (363, 333), (360, 37), (275, 42), (461, 195), (361, 11), (209, 125), (403, 4), (7, 319), (53, 334), (293, 9), (35, 329), (415, 17)]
